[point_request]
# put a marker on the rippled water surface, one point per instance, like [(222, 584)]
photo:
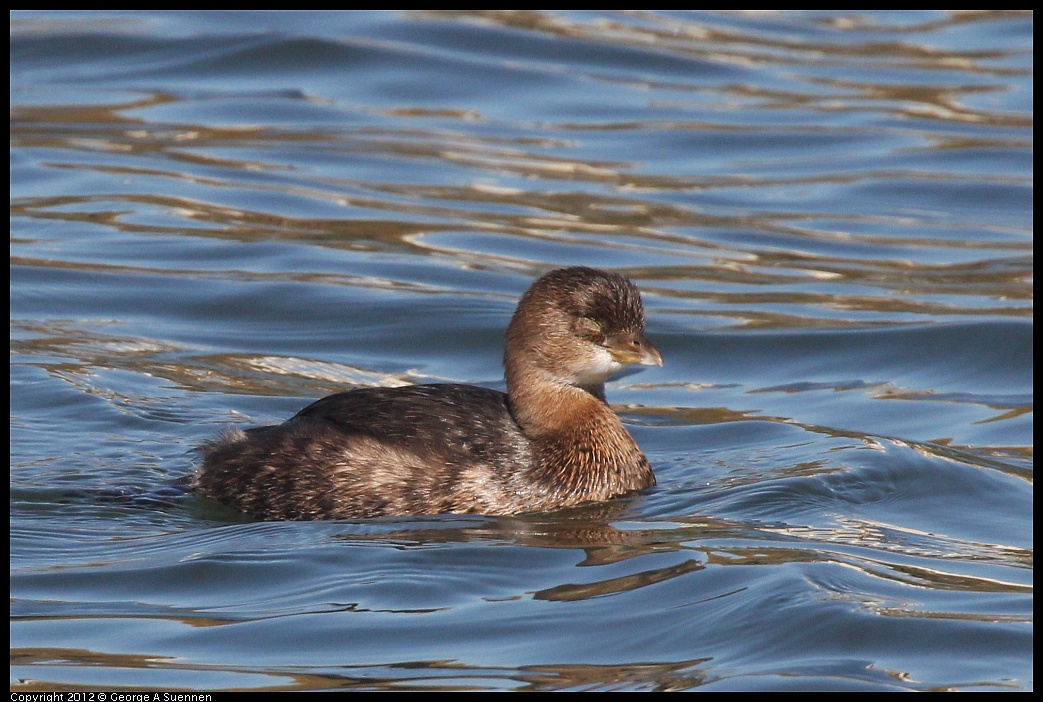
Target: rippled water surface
[(217, 217)]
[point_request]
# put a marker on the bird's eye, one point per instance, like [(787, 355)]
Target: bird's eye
[(590, 324)]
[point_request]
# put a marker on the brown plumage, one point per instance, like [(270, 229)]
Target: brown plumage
[(550, 442)]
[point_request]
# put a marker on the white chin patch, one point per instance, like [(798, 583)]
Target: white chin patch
[(598, 369)]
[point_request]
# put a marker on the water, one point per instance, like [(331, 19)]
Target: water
[(217, 217)]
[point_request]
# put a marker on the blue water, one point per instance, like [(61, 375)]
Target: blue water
[(217, 217)]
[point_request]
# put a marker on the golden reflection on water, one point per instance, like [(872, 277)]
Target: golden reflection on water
[(859, 173)]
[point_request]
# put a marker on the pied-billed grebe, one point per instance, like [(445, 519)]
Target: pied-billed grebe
[(551, 442)]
